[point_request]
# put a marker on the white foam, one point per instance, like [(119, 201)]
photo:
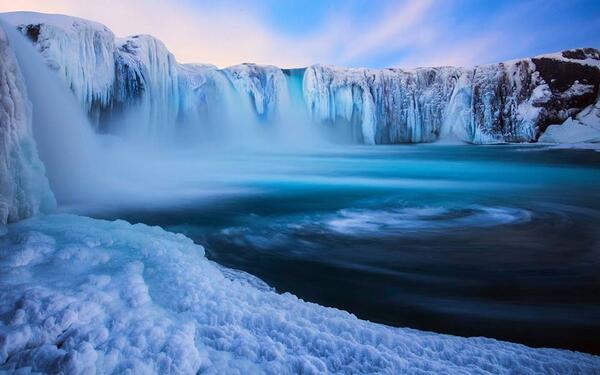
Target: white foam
[(362, 222)]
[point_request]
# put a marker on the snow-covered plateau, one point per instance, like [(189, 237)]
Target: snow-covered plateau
[(513, 101), (80, 295)]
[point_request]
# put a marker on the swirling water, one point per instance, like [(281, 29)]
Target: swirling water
[(497, 241)]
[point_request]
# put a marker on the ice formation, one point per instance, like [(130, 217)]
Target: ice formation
[(147, 80), (81, 51), (265, 85), (207, 97), (79, 295), (513, 101), (385, 106), (24, 189), (506, 102)]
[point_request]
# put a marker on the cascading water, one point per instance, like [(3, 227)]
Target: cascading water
[(86, 168), (65, 139), (297, 126)]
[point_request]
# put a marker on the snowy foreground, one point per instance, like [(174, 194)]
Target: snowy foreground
[(79, 295)]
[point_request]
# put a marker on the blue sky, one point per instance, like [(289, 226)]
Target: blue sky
[(500, 29), (349, 33)]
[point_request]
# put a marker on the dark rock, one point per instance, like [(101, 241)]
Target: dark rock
[(31, 31), (560, 76), (582, 54)]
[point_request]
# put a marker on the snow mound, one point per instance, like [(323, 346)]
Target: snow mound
[(79, 295)]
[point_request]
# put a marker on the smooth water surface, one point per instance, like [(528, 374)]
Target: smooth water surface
[(497, 241)]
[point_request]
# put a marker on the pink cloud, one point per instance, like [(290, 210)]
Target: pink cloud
[(414, 30)]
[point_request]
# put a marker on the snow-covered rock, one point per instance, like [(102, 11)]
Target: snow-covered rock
[(583, 128), (571, 131), (24, 189), (79, 295)]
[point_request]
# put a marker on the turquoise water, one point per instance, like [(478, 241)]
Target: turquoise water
[(497, 241)]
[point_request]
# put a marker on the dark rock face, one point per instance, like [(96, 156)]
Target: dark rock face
[(31, 31), (560, 75), (574, 85)]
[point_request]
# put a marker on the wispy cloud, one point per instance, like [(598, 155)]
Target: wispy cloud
[(195, 34), (396, 33), (397, 27)]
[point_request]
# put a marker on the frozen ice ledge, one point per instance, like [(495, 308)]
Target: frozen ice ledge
[(515, 101), (82, 296)]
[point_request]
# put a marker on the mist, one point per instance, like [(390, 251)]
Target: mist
[(192, 158), (65, 141)]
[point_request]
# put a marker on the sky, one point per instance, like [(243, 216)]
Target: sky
[(354, 33)]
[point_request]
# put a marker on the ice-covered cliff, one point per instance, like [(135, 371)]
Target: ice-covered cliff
[(146, 83), (386, 106), (24, 189), (80, 51), (266, 86), (136, 84), (506, 102), (578, 127)]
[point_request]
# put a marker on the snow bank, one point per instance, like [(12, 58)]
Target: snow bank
[(24, 189), (79, 295)]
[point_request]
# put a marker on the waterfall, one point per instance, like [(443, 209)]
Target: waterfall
[(66, 142)]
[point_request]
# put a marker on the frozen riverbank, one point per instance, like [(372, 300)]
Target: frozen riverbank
[(82, 295)]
